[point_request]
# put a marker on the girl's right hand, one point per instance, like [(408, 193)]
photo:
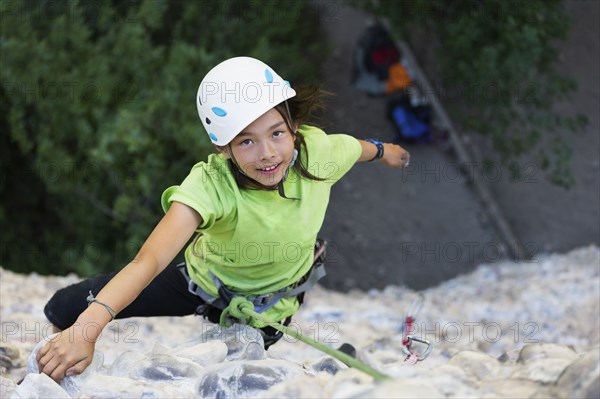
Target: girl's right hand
[(395, 156), (68, 353)]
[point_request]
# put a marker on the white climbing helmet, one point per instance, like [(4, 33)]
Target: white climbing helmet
[(236, 92)]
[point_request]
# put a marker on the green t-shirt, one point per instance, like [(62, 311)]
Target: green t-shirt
[(256, 241)]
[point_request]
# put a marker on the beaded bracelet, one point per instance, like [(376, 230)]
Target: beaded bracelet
[(90, 299)]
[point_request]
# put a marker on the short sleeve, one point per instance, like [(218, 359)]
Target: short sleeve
[(330, 156), (198, 191)]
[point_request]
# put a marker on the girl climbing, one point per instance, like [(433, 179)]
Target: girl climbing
[(256, 207)]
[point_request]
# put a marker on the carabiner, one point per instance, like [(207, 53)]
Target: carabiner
[(422, 356)]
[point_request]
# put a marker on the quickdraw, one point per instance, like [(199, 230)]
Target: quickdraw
[(407, 339)]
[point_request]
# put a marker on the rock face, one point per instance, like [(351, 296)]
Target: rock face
[(529, 333)]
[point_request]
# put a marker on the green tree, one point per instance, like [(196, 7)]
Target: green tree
[(98, 115), (501, 56)]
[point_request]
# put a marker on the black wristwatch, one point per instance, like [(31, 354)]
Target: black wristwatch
[(379, 145)]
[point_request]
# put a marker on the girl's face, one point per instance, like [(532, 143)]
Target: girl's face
[(264, 149)]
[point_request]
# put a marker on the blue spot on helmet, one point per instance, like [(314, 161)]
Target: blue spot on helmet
[(213, 137), (219, 111), (268, 76)]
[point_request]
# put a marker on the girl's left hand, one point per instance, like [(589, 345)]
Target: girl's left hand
[(395, 156)]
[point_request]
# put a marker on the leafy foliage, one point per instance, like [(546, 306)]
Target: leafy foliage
[(500, 57), (98, 115)]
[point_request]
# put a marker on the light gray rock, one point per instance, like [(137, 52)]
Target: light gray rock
[(204, 354), (154, 367), (402, 389), (510, 356), (107, 386), (494, 369), (581, 379), (478, 365), (542, 370), (39, 386), (243, 342), (7, 387), (125, 363), (450, 380), (307, 387), (348, 383), (165, 368), (511, 388), (242, 378), (326, 364), (532, 352), (103, 386), (10, 356)]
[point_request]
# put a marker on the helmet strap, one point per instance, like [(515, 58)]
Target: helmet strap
[(280, 185), (235, 162), (287, 107)]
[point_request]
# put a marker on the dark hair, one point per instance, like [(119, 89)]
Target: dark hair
[(302, 108)]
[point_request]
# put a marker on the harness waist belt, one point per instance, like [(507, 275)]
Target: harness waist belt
[(261, 302)]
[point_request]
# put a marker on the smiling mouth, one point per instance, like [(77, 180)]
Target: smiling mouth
[(269, 169)]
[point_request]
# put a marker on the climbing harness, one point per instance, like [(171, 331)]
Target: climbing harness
[(265, 301), (407, 339)]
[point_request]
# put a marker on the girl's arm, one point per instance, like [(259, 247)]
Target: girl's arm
[(72, 350), (393, 155)]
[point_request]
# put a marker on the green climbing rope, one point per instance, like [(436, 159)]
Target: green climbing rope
[(243, 310)]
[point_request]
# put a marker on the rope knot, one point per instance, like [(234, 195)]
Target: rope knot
[(236, 309)]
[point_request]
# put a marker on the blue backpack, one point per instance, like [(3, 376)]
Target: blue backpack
[(413, 123)]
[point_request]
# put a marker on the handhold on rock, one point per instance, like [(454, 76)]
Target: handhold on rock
[(32, 366), (70, 384)]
